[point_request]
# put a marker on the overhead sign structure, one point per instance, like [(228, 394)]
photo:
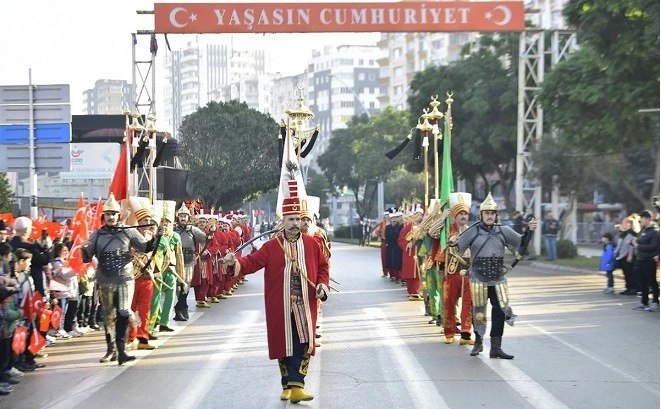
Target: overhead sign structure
[(48, 157), (35, 131), (92, 161), (423, 16), (42, 94), (49, 113)]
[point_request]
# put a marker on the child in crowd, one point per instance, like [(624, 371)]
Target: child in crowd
[(607, 263)]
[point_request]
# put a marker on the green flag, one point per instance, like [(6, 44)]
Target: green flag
[(447, 182)]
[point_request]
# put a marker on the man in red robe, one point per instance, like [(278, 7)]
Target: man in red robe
[(295, 277), (410, 267)]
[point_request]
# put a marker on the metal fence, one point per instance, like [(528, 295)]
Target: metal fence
[(591, 232)]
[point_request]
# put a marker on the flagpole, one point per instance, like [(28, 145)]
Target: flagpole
[(125, 150)]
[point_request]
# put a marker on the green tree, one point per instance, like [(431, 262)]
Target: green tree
[(404, 186), (317, 184), (355, 156), (593, 97), (5, 194), (231, 153), (484, 87)]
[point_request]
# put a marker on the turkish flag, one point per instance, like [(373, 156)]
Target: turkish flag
[(37, 303), (56, 317), (119, 185), (18, 342), (75, 260), (44, 320), (98, 210), (37, 341), (8, 219)]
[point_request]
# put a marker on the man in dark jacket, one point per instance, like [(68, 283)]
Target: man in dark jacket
[(40, 249), (647, 249)]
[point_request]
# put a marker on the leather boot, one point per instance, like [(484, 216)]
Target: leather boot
[(496, 351), (477, 347), (184, 312), (122, 326), (111, 353), (179, 316)]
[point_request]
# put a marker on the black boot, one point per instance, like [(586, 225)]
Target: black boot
[(496, 351), (122, 326), (111, 353), (179, 316), (184, 312), (477, 347)]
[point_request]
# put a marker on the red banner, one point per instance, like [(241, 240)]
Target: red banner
[(419, 16)]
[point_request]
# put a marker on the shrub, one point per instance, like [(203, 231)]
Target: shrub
[(567, 249), (344, 232)]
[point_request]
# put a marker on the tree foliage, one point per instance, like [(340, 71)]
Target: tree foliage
[(484, 87), (593, 97), (5, 194), (355, 156), (404, 186), (231, 153)]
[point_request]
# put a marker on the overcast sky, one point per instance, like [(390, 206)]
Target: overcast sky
[(77, 42)]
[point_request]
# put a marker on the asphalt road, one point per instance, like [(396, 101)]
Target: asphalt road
[(574, 347)]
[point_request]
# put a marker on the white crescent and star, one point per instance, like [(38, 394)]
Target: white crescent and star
[(175, 22), (507, 15)]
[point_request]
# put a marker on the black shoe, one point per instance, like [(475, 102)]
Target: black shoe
[(164, 328), (23, 367), (179, 316), (317, 335), (95, 327), (152, 337)]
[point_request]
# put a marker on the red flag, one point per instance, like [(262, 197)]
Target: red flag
[(8, 219), (75, 260), (119, 185), (37, 303), (44, 320), (56, 317), (37, 341), (79, 228), (20, 335)]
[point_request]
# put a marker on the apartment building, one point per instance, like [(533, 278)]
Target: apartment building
[(107, 97)]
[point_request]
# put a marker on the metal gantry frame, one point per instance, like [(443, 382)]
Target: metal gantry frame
[(530, 117), (143, 182)]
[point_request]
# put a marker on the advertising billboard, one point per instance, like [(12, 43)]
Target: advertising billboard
[(92, 161)]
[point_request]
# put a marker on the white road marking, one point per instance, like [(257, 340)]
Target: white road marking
[(599, 361), (197, 390), (524, 385), (91, 385), (419, 385)]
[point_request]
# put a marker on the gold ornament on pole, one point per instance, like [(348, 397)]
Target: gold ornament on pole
[(425, 127), (435, 116)]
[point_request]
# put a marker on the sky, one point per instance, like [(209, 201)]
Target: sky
[(77, 42)]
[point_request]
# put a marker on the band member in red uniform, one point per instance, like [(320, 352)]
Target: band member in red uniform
[(410, 267), (295, 276), (456, 283)]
